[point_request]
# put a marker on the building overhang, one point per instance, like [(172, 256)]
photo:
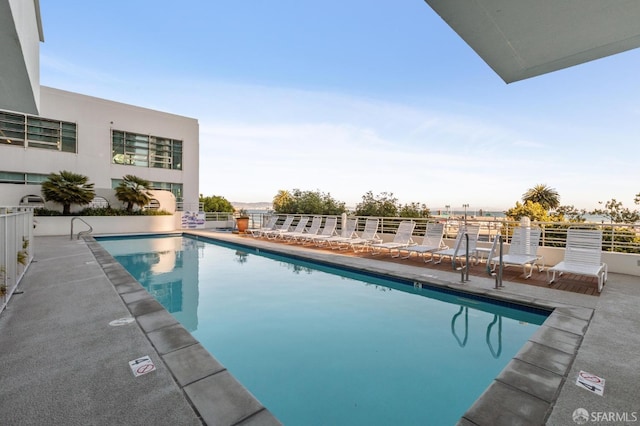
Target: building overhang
[(523, 39), (20, 35)]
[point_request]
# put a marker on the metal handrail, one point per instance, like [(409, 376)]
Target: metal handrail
[(218, 216), (466, 257), (86, 232), (16, 241), (464, 271), (498, 275)]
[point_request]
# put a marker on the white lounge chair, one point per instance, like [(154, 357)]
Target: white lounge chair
[(275, 233), (347, 233), (431, 242), (369, 236), (302, 223), (328, 231), (523, 251), (582, 256), (460, 247), (298, 235), (269, 226), (402, 238)]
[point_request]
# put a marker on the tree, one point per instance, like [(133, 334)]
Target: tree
[(625, 239), (307, 202), (616, 213), (133, 191), (414, 210), (282, 202), (332, 206), (534, 211), (568, 213), (542, 194), (383, 205), (68, 188), (216, 203)]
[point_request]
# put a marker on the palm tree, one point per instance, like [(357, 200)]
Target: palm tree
[(282, 201), (133, 191), (67, 188), (542, 194)]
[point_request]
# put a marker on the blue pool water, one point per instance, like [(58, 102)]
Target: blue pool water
[(323, 346)]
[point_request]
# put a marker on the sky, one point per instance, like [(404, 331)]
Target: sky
[(346, 97)]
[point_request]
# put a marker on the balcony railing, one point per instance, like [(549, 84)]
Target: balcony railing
[(181, 206), (16, 248), (617, 237)]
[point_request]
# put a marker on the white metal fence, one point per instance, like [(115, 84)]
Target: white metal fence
[(181, 206), (617, 237), (218, 216), (16, 248)]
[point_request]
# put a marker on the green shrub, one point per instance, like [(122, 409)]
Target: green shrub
[(41, 211), (99, 211), (155, 213), (102, 211)]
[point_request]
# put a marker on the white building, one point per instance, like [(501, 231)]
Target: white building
[(45, 130)]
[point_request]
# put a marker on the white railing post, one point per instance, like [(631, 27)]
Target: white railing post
[(343, 225)]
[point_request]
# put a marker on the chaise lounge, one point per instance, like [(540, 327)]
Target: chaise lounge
[(431, 242), (582, 256)]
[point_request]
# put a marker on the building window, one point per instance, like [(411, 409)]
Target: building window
[(145, 150), (36, 179), (12, 128), (22, 178), (37, 132)]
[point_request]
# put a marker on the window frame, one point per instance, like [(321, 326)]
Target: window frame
[(30, 131), (150, 151)]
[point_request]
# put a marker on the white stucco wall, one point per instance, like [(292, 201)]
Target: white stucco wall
[(61, 225), (20, 61), (95, 118), (26, 18)]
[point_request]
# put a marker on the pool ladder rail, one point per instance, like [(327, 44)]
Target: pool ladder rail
[(81, 233), (464, 270), (497, 243)]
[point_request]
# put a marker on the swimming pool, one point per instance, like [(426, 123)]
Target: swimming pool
[(320, 345)]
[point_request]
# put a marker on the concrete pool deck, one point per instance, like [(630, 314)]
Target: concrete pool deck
[(62, 363)]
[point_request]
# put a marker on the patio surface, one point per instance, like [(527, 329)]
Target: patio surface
[(568, 282), (62, 363)]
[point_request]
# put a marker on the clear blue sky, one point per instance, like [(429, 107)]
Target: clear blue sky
[(352, 96)]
